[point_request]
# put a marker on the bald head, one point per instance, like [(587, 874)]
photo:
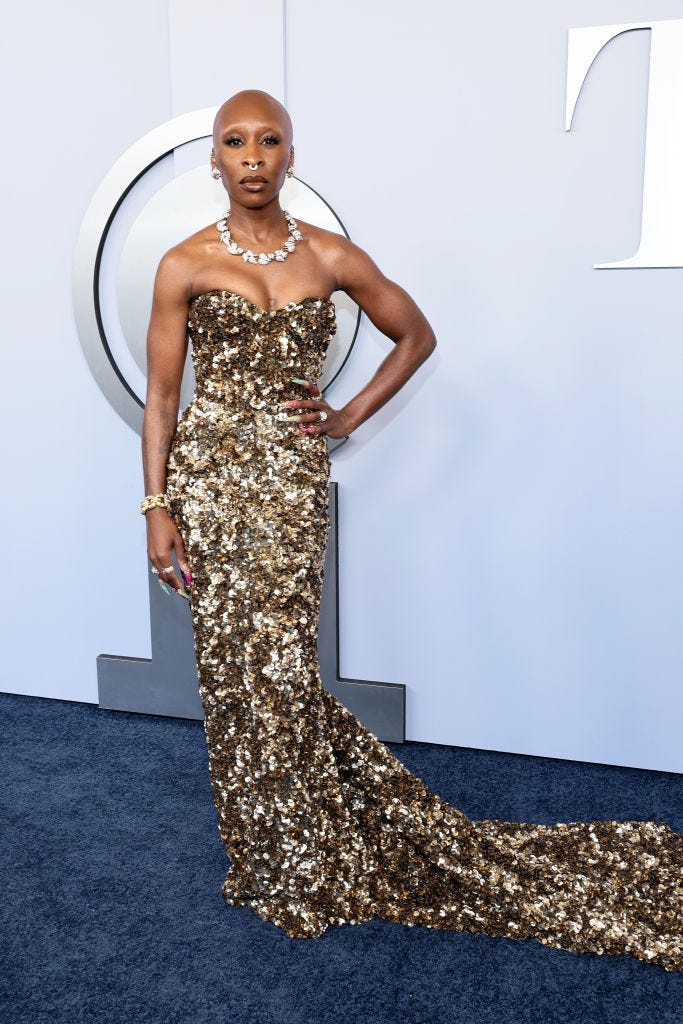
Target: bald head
[(251, 106)]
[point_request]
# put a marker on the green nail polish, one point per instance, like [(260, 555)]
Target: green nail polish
[(164, 587), (297, 381)]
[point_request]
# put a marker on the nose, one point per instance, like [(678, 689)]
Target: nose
[(252, 164)]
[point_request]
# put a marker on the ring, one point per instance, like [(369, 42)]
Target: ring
[(155, 570), (170, 569), (323, 415)]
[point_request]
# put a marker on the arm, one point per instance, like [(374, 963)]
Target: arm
[(166, 353), (396, 315)]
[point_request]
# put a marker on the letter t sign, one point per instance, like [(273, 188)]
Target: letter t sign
[(661, 238)]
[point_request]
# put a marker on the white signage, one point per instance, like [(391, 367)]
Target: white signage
[(661, 236)]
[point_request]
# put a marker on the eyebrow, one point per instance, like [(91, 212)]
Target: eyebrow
[(234, 128)]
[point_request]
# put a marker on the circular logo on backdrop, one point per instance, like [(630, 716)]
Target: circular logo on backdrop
[(138, 212)]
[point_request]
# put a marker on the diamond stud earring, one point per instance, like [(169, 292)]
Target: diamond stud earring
[(215, 173)]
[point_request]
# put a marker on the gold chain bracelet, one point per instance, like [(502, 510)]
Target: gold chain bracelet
[(152, 500)]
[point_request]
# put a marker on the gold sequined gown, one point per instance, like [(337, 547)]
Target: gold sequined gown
[(321, 823)]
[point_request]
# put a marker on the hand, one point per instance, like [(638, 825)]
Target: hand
[(336, 424), (163, 539)]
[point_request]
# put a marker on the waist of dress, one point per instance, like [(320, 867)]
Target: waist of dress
[(248, 394), (226, 409), (245, 388)]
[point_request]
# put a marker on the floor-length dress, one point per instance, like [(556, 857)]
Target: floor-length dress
[(321, 823)]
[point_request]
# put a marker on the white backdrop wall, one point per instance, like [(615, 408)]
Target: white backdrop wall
[(509, 523)]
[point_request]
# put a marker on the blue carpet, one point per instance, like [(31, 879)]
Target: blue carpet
[(113, 912)]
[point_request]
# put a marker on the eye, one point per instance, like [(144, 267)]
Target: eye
[(233, 140), (272, 140)]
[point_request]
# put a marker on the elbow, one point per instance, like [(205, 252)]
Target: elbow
[(419, 346), (429, 344)]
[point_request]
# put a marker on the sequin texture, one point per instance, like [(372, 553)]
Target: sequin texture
[(321, 822)]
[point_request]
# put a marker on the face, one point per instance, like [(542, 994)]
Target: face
[(252, 149)]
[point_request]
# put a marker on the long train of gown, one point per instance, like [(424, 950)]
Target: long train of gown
[(321, 823)]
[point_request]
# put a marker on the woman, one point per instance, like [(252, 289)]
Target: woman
[(322, 824)]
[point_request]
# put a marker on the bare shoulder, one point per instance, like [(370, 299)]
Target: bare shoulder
[(386, 303), (346, 261), (178, 265)]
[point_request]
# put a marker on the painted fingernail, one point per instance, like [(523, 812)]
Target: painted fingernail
[(164, 587), (188, 577), (297, 381)]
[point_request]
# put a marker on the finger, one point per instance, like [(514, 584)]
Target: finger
[(298, 417), (171, 578), (163, 580), (307, 384), (183, 562), (164, 586), (157, 566), (310, 417), (300, 403)]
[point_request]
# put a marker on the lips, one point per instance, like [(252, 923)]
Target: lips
[(253, 179)]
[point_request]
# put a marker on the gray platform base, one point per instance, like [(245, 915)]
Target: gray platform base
[(166, 683)]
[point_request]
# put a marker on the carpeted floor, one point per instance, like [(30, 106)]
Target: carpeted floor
[(112, 912)]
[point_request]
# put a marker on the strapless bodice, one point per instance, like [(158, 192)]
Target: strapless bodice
[(240, 349), (244, 359)]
